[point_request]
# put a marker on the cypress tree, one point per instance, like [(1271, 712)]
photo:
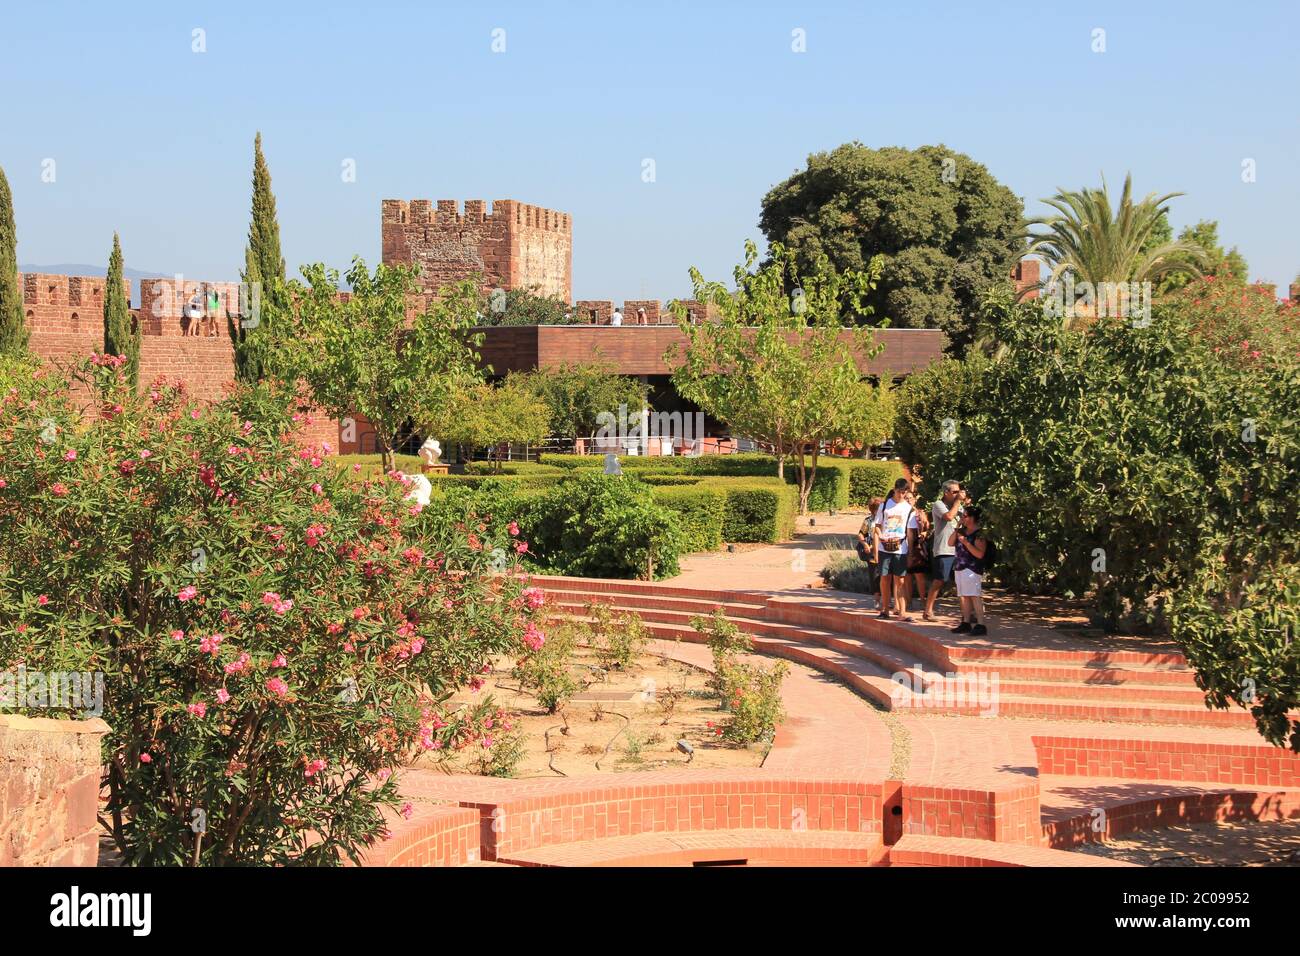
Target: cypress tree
[(263, 267), (13, 327), (121, 336)]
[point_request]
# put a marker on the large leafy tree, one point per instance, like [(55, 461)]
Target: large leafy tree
[(1227, 265), (1135, 463), (782, 368), (489, 416), (263, 274), (942, 227), (13, 327), (363, 354), (526, 306), (121, 335), (578, 393), (1097, 242)]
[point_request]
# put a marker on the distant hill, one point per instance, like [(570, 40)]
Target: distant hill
[(80, 269)]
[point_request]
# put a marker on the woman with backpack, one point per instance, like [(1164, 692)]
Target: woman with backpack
[(974, 553)]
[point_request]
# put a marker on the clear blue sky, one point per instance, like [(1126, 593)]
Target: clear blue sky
[(155, 140)]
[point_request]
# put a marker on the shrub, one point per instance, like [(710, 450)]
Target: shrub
[(723, 637), (276, 637), (500, 746), (700, 510), (595, 525), (848, 573), (751, 693), (547, 672), (617, 637)]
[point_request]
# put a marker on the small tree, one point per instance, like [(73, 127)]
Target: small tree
[(782, 369), (489, 416), (121, 336), (13, 327), (577, 394), (361, 355)]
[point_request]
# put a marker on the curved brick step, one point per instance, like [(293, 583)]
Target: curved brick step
[(1132, 712), (1107, 693), (883, 656), (1086, 675), (736, 847), (861, 674), (866, 653)]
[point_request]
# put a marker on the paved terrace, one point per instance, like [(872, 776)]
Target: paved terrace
[(1085, 739)]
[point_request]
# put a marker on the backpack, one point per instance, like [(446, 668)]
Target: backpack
[(990, 555)]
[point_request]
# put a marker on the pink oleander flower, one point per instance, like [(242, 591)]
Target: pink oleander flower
[(278, 687), (70, 455), (223, 695), (417, 645), (198, 709), (126, 466), (384, 774), (533, 637), (315, 767), (239, 666), (43, 600), (513, 528), (145, 453), (59, 489), (187, 593), (145, 758), (210, 645), (178, 635), (534, 597), (521, 547), (279, 661), (407, 810)]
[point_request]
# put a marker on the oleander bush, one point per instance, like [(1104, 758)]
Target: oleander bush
[(277, 637)]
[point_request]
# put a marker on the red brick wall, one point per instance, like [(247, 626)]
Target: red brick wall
[(49, 791), (431, 836), (1241, 765), (640, 351)]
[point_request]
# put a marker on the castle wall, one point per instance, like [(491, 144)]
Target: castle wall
[(515, 245)]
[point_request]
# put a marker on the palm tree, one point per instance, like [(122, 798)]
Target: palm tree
[(1093, 243)]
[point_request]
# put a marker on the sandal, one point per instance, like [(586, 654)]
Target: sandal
[(884, 616)]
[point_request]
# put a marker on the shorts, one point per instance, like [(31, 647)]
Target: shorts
[(895, 564), (941, 567), (969, 583)]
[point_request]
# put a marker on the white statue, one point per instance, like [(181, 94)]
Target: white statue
[(430, 451), (612, 466), (420, 491)]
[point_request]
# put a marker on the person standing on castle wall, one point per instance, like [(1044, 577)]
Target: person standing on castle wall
[(640, 316), (616, 318)]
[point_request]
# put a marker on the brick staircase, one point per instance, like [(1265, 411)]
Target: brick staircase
[(878, 658)]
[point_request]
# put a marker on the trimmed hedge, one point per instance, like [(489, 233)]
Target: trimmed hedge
[(870, 479), (839, 482), (372, 465), (758, 509), (505, 480), (701, 508), (511, 468)]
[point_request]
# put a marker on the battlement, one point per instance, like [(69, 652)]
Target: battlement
[(41, 288), (510, 245), (448, 213)]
